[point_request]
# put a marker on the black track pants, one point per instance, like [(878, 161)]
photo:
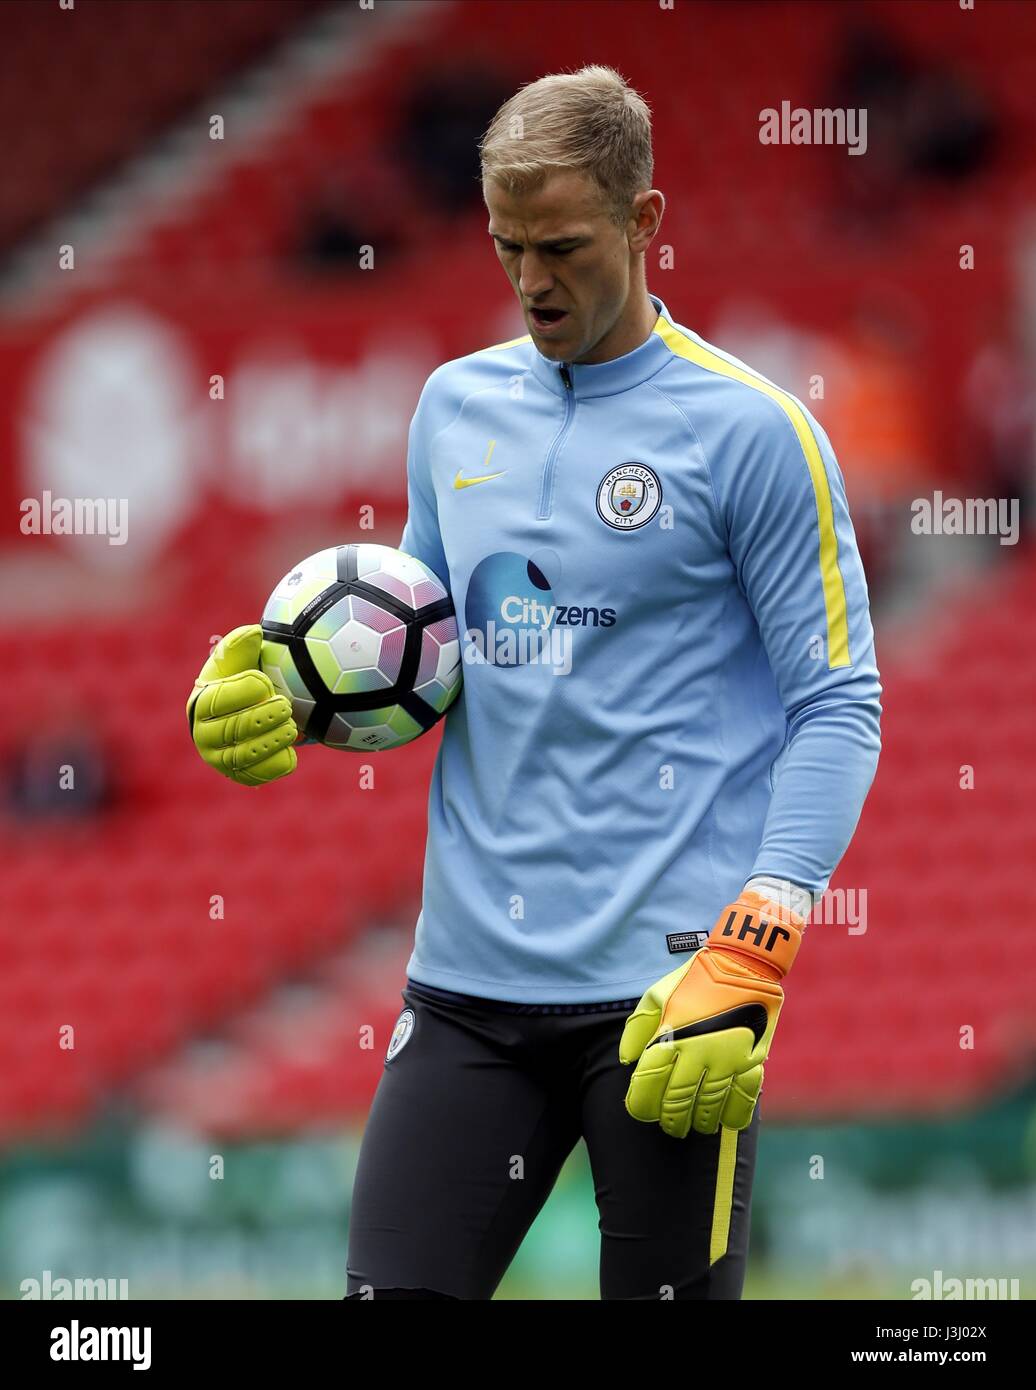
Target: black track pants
[(473, 1118)]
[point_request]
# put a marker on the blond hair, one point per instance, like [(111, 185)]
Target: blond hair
[(591, 121)]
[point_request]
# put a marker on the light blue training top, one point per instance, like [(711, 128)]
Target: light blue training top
[(669, 671)]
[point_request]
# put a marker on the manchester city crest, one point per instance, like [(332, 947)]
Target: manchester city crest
[(629, 496), (400, 1034)]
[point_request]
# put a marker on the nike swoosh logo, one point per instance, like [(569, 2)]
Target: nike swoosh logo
[(751, 1016), (460, 482), (470, 482)]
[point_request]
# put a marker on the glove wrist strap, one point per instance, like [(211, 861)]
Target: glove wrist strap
[(763, 931)]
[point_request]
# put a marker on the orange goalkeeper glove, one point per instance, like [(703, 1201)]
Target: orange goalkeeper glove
[(700, 1035)]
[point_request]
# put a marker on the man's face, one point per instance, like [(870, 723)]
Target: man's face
[(565, 257)]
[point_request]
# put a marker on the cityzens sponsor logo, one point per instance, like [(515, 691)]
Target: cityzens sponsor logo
[(518, 609), (512, 617)]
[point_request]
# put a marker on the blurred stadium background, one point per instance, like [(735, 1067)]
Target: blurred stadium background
[(217, 356)]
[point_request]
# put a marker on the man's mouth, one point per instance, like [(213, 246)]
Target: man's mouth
[(545, 319)]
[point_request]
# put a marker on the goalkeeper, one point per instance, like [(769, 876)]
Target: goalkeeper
[(668, 727)]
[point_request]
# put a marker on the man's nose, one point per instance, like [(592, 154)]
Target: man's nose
[(534, 278)]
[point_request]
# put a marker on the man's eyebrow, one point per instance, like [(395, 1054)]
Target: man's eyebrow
[(575, 238)]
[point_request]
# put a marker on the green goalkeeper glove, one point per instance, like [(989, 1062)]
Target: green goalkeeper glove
[(239, 725)]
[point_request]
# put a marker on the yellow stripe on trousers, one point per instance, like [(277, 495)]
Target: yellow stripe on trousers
[(724, 1198)]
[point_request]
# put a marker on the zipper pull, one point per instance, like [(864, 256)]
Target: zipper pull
[(565, 377)]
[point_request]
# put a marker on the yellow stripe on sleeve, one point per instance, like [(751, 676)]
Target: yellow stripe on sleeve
[(830, 574), (512, 342)]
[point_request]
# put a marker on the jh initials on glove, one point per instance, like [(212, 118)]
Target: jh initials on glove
[(700, 1035)]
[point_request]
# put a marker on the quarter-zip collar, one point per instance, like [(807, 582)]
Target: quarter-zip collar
[(607, 378)]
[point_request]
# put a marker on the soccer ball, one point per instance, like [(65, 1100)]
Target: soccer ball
[(363, 641)]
